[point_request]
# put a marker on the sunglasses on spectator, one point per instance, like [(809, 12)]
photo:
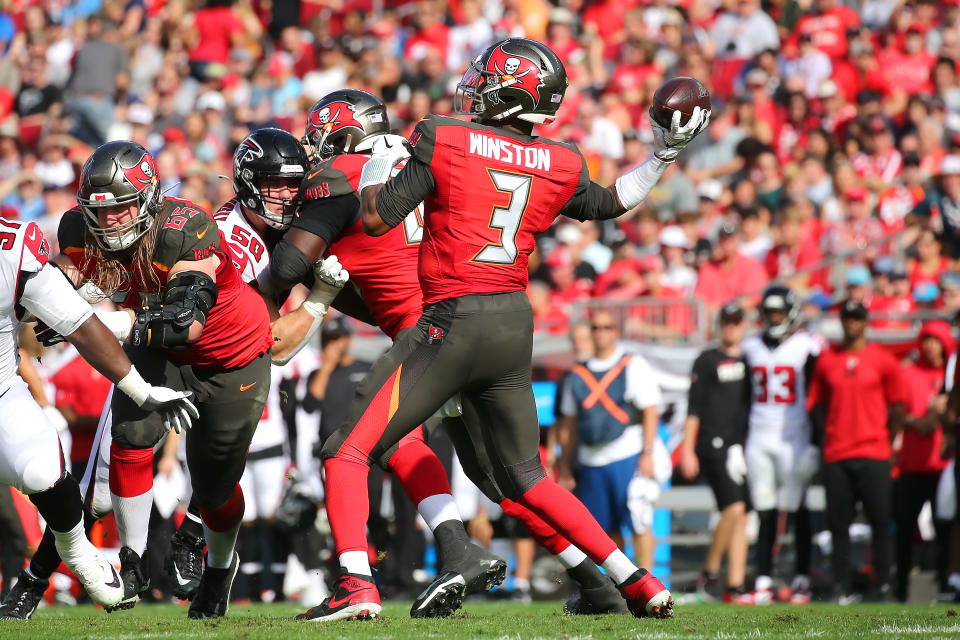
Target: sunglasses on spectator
[(603, 327)]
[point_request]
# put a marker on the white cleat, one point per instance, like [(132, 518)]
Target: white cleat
[(97, 575)]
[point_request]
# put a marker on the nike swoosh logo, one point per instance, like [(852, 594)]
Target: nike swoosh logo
[(200, 235), (244, 387), (314, 174), (176, 574), (33, 233), (116, 579), (333, 604)]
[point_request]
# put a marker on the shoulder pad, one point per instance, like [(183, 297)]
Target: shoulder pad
[(187, 232), (336, 176), (424, 136), (71, 234)]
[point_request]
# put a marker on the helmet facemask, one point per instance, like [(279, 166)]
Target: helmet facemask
[(279, 213), (120, 236)]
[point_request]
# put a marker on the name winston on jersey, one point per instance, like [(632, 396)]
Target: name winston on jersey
[(505, 151)]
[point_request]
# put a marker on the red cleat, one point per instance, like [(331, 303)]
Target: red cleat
[(355, 597), (646, 596)]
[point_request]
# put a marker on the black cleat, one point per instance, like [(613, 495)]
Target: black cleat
[(134, 578), (596, 600), (213, 595), (23, 598), (441, 598), (184, 564)]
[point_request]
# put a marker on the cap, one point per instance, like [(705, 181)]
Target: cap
[(727, 229), (731, 313), (338, 327), (561, 15), (139, 113), (858, 194), (857, 275), (568, 234), (950, 166), (710, 189), (926, 291), (280, 62), (949, 280), (756, 78), (821, 300), (853, 309), (827, 89), (673, 236), (173, 134), (211, 100), (884, 265), (703, 248), (559, 257)]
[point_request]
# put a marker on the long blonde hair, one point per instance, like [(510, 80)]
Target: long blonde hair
[(108, 269)]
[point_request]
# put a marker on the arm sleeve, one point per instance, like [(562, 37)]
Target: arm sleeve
[(330, 217), (405, 191), (698, 380), (592, 203), (51, 298)]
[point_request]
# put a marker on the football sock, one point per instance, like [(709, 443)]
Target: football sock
[(220, 527), (619, 567), (348, 507), (542, 533), (766, 538), (586, 573), (355, 562), (763, 582), (131, 492), (571, 558), (438, 509), (567, 515), (803, 535), (192, 525)]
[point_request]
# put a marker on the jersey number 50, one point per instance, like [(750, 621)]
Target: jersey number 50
[(506, 219)]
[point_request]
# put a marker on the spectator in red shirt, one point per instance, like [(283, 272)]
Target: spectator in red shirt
[(930, 262), (881, 165), (80, 395), (856, 400), (794, 252), (729, 275), (908, 70), (827, 26), (214, 30), (920, 457)]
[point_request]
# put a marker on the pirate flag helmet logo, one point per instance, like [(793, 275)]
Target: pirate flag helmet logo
[(344, 121), (119, 173), (513, 79)]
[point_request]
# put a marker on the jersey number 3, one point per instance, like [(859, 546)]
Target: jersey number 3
[(782, 384), (506, 219)]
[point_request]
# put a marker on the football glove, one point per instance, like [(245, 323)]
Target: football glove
[(736, 464), (176, 411), (386, 152), (668, 143), (329, 277)]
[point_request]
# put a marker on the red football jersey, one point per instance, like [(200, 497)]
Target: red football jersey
[(238, 327), (855, 388), (494, 191), (384, 269)]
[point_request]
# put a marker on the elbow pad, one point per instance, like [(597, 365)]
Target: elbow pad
[(288, 267), (190, 297)]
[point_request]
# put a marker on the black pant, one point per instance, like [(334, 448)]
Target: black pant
[(910, 492), (13, 541), (479, 345), (846, 482), (230, 403)]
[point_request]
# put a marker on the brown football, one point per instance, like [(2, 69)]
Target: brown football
[(679, 94)]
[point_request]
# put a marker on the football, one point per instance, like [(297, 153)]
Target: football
[(679, 94)]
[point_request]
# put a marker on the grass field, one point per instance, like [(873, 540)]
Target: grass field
[(497, 621)]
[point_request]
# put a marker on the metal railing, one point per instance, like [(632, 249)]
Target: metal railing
[(665, 321)]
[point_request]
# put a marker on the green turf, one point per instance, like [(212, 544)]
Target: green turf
[(496, 621)]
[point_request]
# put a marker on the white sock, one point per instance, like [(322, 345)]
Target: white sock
[(800, 582), (73, 542), (571, 557), (133, 519), (438, 508), (220, 545), (618, 566), (763, 582), (356, 562), (521, 584)]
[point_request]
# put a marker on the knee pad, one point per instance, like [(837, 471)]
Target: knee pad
[(137, 434), (40, 474), (523, 476)]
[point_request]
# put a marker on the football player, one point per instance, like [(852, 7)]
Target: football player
[(780, 457), (386, 273), (488, 188), (31, 458), (269, 165), (186, 318)]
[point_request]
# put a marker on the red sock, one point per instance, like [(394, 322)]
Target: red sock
[(419, 470), (544, 535), (131, 471), (226, 516), (348, 503), (559, 508)]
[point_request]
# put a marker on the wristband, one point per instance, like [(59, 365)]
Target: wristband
[(134, 386)]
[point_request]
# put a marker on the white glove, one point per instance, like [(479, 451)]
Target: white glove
[(55, 418), (385, 153), (329, 278), (808, 463), (669, 143), (736, 464), (176, 411)]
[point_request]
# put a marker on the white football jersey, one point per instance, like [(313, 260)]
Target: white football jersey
[(779, 402), (22, 250), (251, 256)]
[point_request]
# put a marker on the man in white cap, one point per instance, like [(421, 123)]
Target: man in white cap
[(677, 274)]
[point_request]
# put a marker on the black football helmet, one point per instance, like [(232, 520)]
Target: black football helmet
[(119, 173), (779, 298), (513, 79), (269, 153), (344, 121)]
